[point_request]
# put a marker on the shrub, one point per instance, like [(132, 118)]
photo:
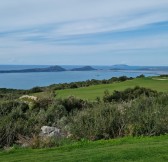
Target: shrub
[(72, 103), (7, 106), (36, 90), (101, 121), (147, 116), (143, 116), (141, 76), (129, 94)]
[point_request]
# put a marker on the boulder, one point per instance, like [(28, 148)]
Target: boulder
[(34, 98), (47, 131)]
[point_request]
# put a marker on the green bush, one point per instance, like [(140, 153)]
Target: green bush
[(144, 116), (148, 116), (129, 94), (101, 121), (72, 103), (36, 90)]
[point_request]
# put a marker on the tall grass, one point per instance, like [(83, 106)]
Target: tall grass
[(144, 116)]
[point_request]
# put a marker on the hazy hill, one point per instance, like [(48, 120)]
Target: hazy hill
[(85, 68), (47, 69)]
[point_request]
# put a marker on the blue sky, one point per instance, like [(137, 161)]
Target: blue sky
[(84, 32)]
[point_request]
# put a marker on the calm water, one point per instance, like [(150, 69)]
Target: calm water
[(29, 80)]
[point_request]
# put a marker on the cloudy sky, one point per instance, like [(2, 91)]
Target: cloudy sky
[(84, 32)]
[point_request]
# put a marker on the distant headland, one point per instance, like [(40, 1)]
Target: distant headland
[(55, 68)]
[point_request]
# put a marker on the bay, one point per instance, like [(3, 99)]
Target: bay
[(30, 80)]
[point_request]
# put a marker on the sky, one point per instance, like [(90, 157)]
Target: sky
[(84, 32)]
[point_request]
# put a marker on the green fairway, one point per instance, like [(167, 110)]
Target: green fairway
[(91, 92), (148, 149)]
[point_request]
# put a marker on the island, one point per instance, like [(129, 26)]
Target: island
[(85, 68), (55, 68)]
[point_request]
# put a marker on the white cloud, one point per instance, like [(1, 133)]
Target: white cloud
[(30, 27), (22, 13)]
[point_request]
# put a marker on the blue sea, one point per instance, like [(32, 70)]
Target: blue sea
[(30, 80)]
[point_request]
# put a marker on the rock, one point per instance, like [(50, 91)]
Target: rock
[(47, 131), (34, 98)]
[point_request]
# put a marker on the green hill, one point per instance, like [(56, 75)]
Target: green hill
[(91, 92)]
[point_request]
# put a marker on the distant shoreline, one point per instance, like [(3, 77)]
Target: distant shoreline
[(55, 68), (58, 68)]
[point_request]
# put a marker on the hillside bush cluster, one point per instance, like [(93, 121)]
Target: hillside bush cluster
[(21, 118), (129, 94), (88, 83), (133, 112), (143, 116)]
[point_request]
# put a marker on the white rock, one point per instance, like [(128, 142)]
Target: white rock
[(50, 131)]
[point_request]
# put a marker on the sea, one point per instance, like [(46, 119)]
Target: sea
[(30, 80)]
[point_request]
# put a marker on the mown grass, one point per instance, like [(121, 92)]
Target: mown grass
[(146, 149), (92, 92)]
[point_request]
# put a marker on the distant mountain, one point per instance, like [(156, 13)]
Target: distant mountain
[(56, 68), (47, 69), (119, 67), (85, 68)]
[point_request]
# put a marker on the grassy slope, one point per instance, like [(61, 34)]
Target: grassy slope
[(148, 149), (92, 92)]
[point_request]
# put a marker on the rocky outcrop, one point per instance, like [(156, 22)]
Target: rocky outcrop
[(34, 98), (47, 131)]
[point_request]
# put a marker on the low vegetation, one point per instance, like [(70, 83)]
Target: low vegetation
[(129, 112), (147, 149)]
